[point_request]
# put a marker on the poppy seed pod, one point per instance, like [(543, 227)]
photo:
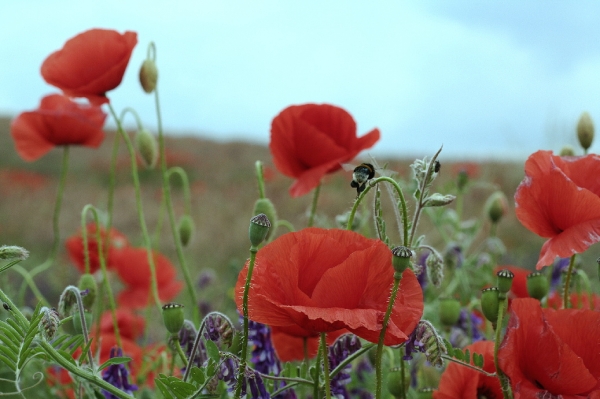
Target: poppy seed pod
[(449, 311), (395, 385), (186, 229), (173, 317), (401, 258), (148, 75), (489, 303), (585, 130), (505, 278), (425, 393), (87, 283), (264, 205), (537, 285), (496, 206), (147, 147), (259, 228)]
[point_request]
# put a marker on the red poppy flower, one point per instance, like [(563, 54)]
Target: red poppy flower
[(308, 141), (289, 342), (578, 301), (325, 280), (113, 241), (131, 264), (131, 325), (551, 353), (459, 382), (90, 64), (58, 121), (560, 199)]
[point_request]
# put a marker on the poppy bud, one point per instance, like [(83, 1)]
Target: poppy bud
[(148, 75), (438, 199), (449, 311), (496, 206), (395, 385), (585, 130), (77, 322), (13, 252), (489, 303), (87, 284), (186, 229), (505, 278), (147, 147), (435, 268), (259, 228), (264, 205), (49, 323), (173, 317), (462, 179), (401, 259), (425, 393), (567, 151), (537, 285)]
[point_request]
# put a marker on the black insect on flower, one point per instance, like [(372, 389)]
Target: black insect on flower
[(6, 306)]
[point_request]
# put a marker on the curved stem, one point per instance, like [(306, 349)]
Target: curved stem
[(84, 330), (187, 196), (325, 365), (567, 286), (179, 350), (313, 208)]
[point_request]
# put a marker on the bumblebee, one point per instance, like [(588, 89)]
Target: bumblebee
[(360, 176)]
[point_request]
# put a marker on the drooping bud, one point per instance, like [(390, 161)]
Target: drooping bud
[(259, 228), (567, 151), (585, 130), (489, 303), (186, 229), (505, 278), (264, 205), (87, 284), (148, 75), (13, 252), (537, 285), (173, 317), (438, 199), (496, 206), (435, 268), (147, 146), (449, 311), (49, 323), (401, 259)]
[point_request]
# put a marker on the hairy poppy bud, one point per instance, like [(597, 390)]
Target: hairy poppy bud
[(435, 268), (87, 284), (147, 147), (401, 259), (585, 130), (186, 229), (567, 151), (505, 278), (489, 303), (537, 285), (449, 311), (496, 206), (264, 205), (173, 317), (13, 252), (148, 75), (259, 228)]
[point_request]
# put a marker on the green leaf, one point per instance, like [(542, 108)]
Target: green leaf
[(197, 376), (467, 356), (114, 360), (213, 351), (9, 265), (174, 388), (458, 354), (478, 360)]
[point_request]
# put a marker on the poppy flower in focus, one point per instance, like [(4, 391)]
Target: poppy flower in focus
[(289, 342), (131, 264), (551, 353), (114, 240), (58, 121), (326, 280), (311, 140), (90, 64), (559, 199), (131, 326), (461, 382)]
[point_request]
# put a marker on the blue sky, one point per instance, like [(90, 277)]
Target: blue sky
[(487, 80)]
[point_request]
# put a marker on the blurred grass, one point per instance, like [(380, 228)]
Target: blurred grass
[(223, 188)]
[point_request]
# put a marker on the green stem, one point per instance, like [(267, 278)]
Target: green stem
[(313, 208), (84, 327), (260, 179), (187, 196), (244, 343), (325, 365), (179, 350), (566, 302), (504, 383), (316, 392), (29, 281), (378, 373), (112, 181)]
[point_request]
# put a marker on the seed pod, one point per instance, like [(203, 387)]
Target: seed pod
[(148, 75)]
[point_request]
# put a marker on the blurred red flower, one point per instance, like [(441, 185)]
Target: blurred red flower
[(559, 199), (113, 241), (131, 325), (325, 280), (289, 342), (472, 169), (58, 121), (90, 64), (578, 301), (311, 140), (551, 353), (461, 382), (131, 264)]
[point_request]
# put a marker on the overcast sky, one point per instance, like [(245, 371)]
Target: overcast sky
[(485, 79)]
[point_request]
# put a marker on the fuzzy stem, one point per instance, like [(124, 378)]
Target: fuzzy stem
[(317, 373), (326, 365), (84, 330), (566, 288), (504, 383), (313, 208)]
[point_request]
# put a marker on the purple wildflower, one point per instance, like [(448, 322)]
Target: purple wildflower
[(343, 347), (117, 375), (422, 277), (476, 322), (557, 269)]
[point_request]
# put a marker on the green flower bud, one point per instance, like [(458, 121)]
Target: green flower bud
[(395, 385), (496, 206), (567, 151), (449, 311), (489, 303), (259, 228), (186, 229), (147, 147), (87, 283), (585, 130), (264, 205), (173, 317), (148, 75), (537, 285), (505, 278), (425, 393), (462, 179), (13, 252), (438, 199), (77, 322), (401, 259)]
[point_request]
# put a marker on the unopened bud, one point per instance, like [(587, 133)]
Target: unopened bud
[(264, 205), (449, 311), (401, 259), (186, 229), (496, 206), (462, 179), (585, 130), (435, 268), (438, 199), (13, 252), (173, 317), (259, 228), (537, 285), (148, 75), (147, 147), (567, 151), (87, 284), (489, 303)]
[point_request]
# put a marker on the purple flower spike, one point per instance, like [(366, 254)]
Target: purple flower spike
[(343, 347), (117, 375)]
